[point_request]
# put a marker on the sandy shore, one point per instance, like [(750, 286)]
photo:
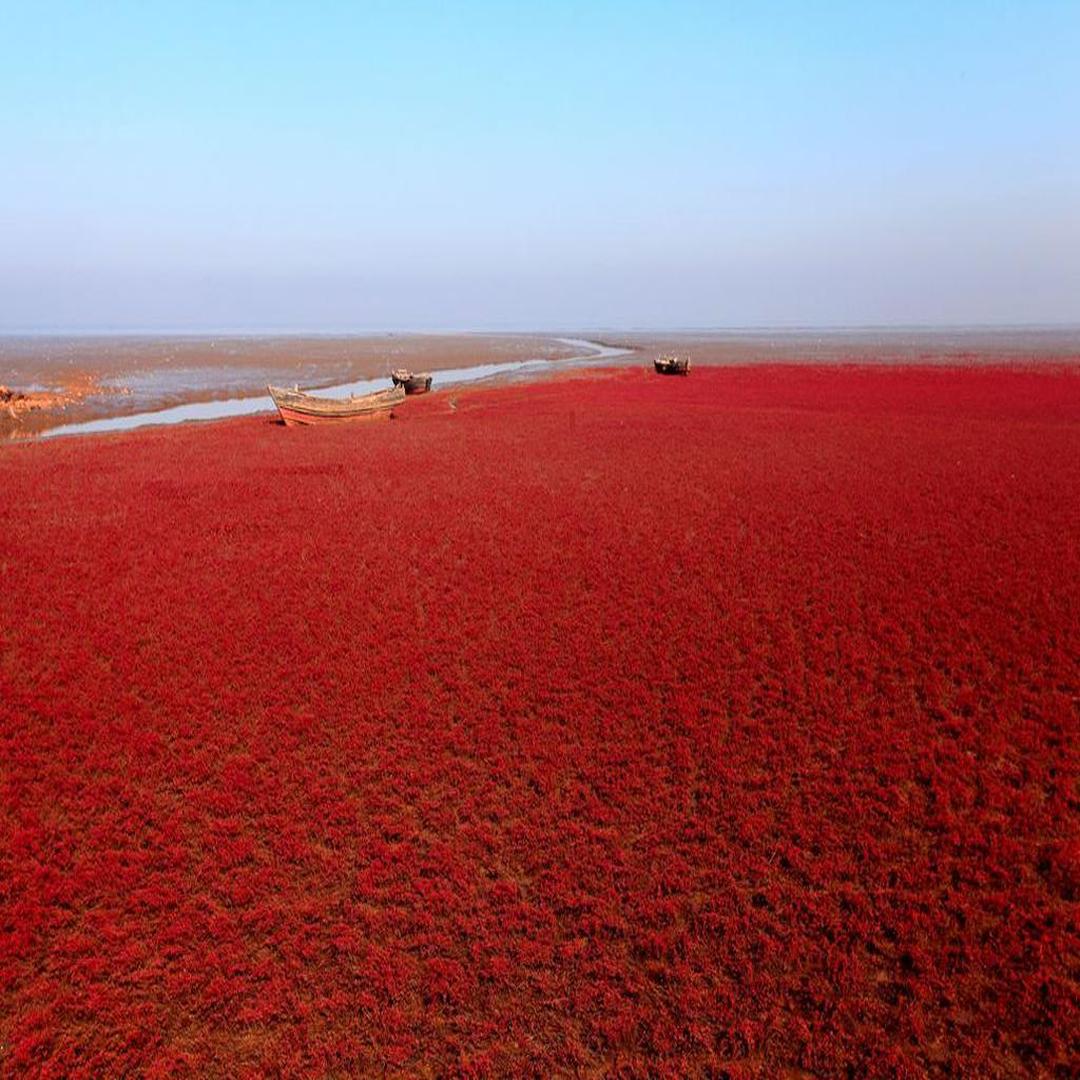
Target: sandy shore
[(62, 380)]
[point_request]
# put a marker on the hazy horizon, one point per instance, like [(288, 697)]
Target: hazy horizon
[(898, 329), (363, 169)]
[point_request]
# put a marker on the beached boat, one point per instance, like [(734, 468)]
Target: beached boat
[(410, 382), (296, 407), (666, 364)]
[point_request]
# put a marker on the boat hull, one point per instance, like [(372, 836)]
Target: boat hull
[(417, 384), (410, 383), (299, 409), (296, 418), (671, 365)]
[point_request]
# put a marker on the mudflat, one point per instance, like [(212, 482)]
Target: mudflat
[(57, 380), (887, 345)]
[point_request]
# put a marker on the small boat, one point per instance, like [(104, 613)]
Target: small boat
[(418, 383), (666, 364), (296, 407)]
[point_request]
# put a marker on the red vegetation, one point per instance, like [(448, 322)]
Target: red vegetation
[(710, 726)]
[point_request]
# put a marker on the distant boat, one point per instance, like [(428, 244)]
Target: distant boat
[(296, 407), (666, 364), (419, 383)]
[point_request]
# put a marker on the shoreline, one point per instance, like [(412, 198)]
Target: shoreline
[(255, 404), (531, 386), (89, 378), (186, 384)]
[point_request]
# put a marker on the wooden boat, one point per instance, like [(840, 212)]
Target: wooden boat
[(418, 383), (296, 407), (666, 364)]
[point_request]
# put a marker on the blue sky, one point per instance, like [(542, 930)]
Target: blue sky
[(409, 165)]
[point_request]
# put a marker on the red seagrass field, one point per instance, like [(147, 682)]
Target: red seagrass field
[(614, 725)]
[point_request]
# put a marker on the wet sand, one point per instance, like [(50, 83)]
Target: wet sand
[(74, 379)]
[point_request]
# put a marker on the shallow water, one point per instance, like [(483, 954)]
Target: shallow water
[(592, 354)]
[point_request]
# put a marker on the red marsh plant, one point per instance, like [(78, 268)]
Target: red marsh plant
[(723, 726)]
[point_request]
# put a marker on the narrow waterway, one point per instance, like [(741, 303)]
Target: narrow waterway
[(592, 353)]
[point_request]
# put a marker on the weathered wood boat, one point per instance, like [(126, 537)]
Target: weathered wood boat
[(296, 407), (410, 382), (666, 364)]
